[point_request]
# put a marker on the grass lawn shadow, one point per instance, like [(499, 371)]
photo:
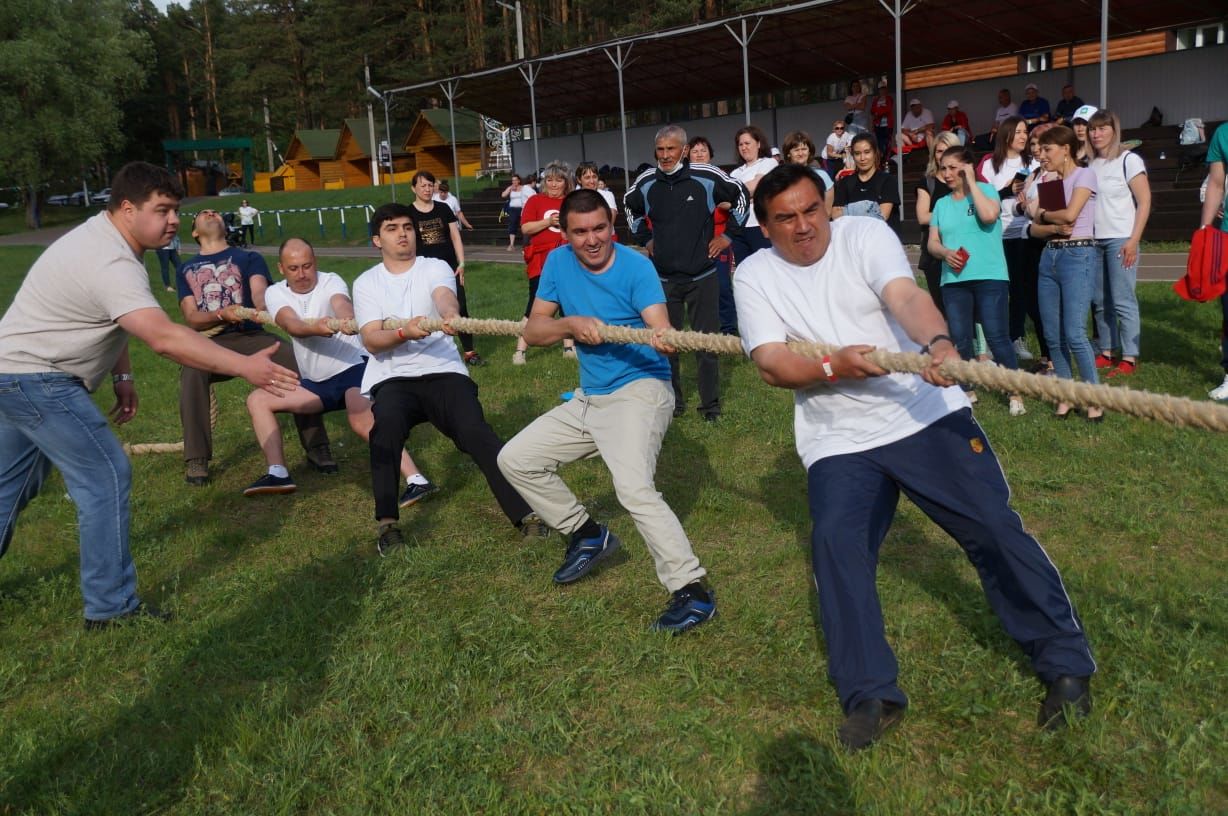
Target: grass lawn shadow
[(798, 774)]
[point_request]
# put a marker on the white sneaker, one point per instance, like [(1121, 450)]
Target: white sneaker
[(518, 358), (1017, 408), (1220, 393), (1021, 349), (569, 352)]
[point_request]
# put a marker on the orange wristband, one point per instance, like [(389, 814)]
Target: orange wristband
[(401, 332)]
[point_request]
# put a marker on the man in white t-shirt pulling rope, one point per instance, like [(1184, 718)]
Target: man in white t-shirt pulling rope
[(331, 366), (416, 376), (865, 435)]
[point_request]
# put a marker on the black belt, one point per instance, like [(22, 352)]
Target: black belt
[(1069, 243)]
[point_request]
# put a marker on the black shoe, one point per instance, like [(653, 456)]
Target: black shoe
[(141, 610), (1074, 692), (415, 493), (390, 538), (321, 459), (679, 410), (268, 485), (711, 416), (868, 721)]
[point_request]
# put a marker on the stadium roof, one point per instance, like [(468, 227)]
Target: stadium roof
[(801, 44)]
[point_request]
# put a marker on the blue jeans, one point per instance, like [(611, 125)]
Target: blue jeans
[(49, 420), (1114, 306), (985, 302), (1064, 291)]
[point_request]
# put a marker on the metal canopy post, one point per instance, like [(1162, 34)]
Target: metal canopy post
[(530, 71), (1104, 54), (619, 58), (897, 14), (449, 90), (744, 41)]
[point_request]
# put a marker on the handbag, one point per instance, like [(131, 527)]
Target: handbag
[(848, 118), (1206, 269)]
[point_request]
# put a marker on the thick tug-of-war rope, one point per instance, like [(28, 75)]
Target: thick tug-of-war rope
[(1178, 411)]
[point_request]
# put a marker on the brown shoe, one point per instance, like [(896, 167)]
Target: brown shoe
[(321, 459), (198, 472)]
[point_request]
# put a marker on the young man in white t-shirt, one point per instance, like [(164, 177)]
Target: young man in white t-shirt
[(416, 376), (66, 329), (865, 435), (331, 365)]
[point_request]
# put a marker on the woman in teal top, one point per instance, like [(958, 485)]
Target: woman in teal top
[(966, 235)]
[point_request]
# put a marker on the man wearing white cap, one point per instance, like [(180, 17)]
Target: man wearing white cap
[(956, 121), (1034, 109), (918, 125)]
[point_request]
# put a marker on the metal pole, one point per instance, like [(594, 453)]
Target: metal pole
[(744, 41), (519, 27), (392, 175), (530, 71), (449, 90), (371, 130), (620, 62), (897, 14), (519, 33), (1104, 54)]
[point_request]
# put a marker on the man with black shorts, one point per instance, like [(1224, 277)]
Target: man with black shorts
[(331, 365)]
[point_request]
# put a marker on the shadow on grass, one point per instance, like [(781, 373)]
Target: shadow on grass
[(799, 774), (266, 661)]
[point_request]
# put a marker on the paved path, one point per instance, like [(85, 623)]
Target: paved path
[(1153, 266)]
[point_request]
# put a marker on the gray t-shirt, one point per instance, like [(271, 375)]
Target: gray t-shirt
[(63, 317)]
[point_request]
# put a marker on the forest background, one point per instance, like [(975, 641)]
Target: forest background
[(86, 85)]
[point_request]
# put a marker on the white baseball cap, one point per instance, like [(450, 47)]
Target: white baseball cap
[(954, 103), (882, 83), (1031, 86), (1085, 113), (914, 101)]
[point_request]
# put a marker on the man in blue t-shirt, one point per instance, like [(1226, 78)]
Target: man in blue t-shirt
[(1034, 108), (621, 411)]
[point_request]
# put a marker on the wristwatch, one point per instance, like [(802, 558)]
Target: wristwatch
[(116, 379)]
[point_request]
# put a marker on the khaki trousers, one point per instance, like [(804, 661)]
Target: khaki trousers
[(625, 429)]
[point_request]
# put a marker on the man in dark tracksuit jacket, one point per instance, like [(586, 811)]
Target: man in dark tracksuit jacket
[(679, 198)]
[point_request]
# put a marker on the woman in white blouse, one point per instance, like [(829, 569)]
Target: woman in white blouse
[(752, 147), (1123, 204)]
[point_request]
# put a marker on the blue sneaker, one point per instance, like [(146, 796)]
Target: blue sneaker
[(415, 492), (690, 606), (585, 553)]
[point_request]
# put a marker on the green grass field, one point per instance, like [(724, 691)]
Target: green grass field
[(304, 674)]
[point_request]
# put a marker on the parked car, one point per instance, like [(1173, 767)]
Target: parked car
[(103, 196), (58, 200), (77, 199), (3, 206)]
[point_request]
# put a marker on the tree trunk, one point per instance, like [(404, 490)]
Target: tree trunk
[(211, 74), (34, 208)]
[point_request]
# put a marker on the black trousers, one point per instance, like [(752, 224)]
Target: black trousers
[(450, 403), (698, 300)]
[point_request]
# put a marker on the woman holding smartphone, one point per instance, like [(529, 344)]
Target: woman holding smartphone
[(966, 234), (1066, 264), (1006, 169)]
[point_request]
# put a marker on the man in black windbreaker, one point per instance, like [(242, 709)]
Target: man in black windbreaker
[(670, 210)]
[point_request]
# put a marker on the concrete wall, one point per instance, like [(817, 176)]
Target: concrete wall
[(1180, 83)]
